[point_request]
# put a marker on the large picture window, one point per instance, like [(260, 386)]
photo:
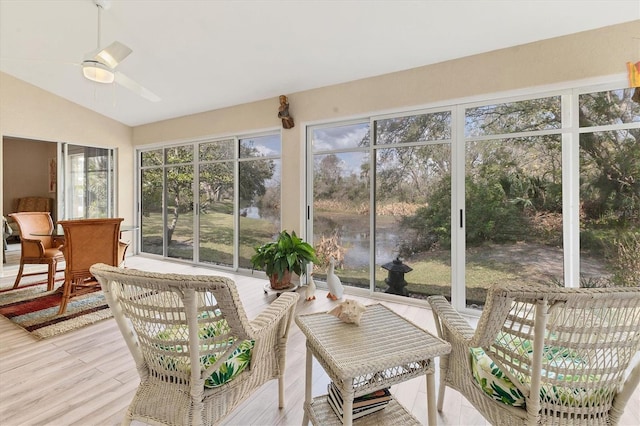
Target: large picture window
[(211, 201), (542, 190)]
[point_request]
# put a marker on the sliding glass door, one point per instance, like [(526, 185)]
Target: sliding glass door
[(87, 187), (412, 201), (513, 195), (541, 190), (380, 202)]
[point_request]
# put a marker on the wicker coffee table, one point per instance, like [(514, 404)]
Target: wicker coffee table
[(385, 349)]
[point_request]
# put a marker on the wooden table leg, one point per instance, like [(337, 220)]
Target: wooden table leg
[(307, 388), (432, 418)]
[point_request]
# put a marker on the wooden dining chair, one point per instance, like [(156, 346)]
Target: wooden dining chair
[(86, 242), (38, 246)]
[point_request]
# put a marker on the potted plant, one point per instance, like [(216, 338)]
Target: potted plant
[(288, 254)]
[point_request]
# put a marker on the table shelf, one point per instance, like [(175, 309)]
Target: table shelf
[(321, 413)]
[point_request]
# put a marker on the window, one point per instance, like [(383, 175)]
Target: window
[(609, 188), (513, 195), (340, 194), (200, 201), (366, 197), (482, 193), (258, 194)]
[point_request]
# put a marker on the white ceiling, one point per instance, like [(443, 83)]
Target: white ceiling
[(199, 55)]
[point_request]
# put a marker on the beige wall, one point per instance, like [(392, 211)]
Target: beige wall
[(588, 55), (25, 155)]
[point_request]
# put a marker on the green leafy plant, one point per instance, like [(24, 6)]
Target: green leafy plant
[(288, 253)]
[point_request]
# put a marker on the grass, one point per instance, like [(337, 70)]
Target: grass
[(216, 237), (431, 272)]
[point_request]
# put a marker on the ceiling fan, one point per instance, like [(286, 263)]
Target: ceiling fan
[(100, 65)]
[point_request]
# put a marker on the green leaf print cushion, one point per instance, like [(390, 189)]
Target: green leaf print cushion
[(492, 381), (498, 386), (235, 364)]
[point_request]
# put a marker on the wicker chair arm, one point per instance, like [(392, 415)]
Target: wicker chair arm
[(449, 322), (628, 387), (282, 307)]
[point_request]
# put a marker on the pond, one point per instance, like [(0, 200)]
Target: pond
[(355, 238)]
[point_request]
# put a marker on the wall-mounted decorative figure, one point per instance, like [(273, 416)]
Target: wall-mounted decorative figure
[(333, 282), (283, 113)]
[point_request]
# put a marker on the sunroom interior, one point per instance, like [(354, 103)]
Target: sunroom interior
[(482, 169)]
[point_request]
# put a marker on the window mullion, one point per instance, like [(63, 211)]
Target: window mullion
[(570, 190)]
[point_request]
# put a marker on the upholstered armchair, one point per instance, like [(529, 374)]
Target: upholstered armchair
[(29, 204), (544, 355), (197, 353), (37, 244)]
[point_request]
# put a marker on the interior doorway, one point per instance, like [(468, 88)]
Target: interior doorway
[(28, 170), (79, 180)]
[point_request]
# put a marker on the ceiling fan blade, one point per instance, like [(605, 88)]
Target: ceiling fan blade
[(113, 54), (40, 60), (128, 83)]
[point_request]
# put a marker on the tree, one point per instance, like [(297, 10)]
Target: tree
[(254, 173), (327, 177), (506, 177), (610, 168), (216, 179), (407, 172)]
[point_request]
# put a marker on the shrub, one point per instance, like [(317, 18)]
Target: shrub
[(626, 264)]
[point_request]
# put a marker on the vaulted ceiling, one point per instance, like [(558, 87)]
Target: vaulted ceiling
[(199, 55)]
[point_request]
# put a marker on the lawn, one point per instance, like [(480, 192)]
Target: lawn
[(431, 272)]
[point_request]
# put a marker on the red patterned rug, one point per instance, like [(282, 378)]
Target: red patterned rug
[(36, 310)]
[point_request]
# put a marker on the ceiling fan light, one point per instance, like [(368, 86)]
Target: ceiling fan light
[(107, 58), (95, 71)]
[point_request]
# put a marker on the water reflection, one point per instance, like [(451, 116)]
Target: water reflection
[(356, 239)]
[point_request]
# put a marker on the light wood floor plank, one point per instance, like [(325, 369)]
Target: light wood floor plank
[(87, 377)]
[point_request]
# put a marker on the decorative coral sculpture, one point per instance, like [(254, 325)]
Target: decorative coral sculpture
[(333, 282), (349, 311)]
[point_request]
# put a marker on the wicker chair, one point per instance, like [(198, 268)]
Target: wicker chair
[(38, 246), (86, 242), (569, 352), (172, 322)]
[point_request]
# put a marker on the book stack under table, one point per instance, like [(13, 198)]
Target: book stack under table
[(363, 405)]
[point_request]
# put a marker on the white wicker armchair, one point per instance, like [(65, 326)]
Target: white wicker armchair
[(172, 322), (569, 353)]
